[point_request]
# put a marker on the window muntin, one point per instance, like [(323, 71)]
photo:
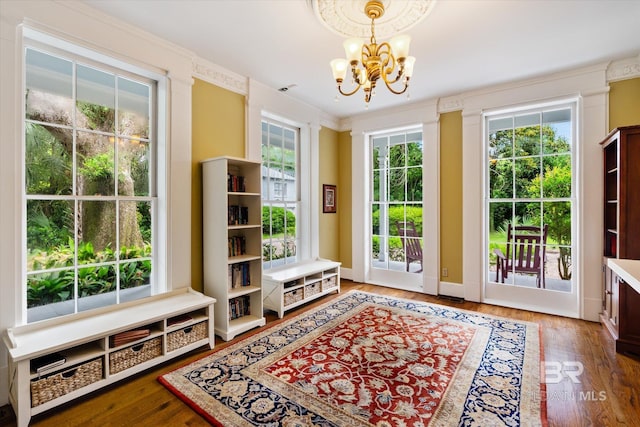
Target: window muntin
[(530, 182), (396, 196), (88, 229), (280, 193)]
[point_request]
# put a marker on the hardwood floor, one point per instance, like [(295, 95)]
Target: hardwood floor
[(608, 392)]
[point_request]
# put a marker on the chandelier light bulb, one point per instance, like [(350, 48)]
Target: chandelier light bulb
[(400, 45), (339, 68), (353, 49), (408, 66)]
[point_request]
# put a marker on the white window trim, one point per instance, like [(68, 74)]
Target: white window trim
[(47, 43), (264, 102), (562, 303), (588, 86), (422, 115)]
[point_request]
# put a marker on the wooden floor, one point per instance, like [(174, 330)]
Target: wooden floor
[(608, 393)]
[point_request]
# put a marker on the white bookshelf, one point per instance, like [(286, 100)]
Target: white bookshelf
[(239, 301), (292, 285), (177, 322)]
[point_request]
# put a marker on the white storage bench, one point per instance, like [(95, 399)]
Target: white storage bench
[(55, 361), (291, 285)]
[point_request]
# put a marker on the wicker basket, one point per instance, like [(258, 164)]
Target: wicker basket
[(134, 355), (329, 283), (312, 289), (292, 296), (61, 383), (186, 336)]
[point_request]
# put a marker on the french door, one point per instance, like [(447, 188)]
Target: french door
[(396, 214), (530, 208)]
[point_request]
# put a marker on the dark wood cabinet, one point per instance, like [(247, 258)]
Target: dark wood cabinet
[(620, 302)]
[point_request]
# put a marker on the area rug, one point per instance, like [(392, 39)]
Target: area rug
[(371, 360)]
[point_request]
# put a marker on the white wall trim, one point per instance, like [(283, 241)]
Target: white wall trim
[(346, 273), (219, 76), (451, 289), (628, 68)]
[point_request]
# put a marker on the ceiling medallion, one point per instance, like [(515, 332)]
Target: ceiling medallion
[(346, 19)]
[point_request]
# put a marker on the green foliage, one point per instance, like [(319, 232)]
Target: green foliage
[(48, 164), (99, 117), (403, 168), (557, 215), (396, 214), (56, 286), (99, 167), (278, 221)]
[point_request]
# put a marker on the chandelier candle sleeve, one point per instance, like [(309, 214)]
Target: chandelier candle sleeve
[(370, 62)]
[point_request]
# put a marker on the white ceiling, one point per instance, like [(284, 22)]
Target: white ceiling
[(462, 45)]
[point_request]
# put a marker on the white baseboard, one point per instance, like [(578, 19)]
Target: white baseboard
[(451, 289), (346, 273)]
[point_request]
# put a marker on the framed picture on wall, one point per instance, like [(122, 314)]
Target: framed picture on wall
[(329, 199)]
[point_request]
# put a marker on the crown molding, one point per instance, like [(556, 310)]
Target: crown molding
[(624, 69), (219, 76), (450, 103)]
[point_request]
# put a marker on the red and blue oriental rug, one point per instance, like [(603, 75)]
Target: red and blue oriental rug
[(370, 360)]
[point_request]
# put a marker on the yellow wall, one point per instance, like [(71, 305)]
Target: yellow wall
[(451, 196), (344, 198), (329, 246), (217, 130), (624, 103)]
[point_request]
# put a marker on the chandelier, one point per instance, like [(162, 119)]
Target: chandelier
[(370, 62)]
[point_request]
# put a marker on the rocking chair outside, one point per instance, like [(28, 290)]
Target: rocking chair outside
[(410, 242), (526, 252)]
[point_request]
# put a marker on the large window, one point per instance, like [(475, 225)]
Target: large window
[(396, 201), (89, 190), (280, 193), (531, 186)]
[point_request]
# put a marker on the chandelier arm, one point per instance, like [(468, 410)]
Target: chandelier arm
[(404, 89), (349, 93)]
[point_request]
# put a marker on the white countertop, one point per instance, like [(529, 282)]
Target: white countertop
[(628, 270)]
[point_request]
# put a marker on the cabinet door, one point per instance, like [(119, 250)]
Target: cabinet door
[(629, 327), (615, 296), (606, 295)]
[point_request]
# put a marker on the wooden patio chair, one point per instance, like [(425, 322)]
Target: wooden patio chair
[(410, 242), (526, 252)]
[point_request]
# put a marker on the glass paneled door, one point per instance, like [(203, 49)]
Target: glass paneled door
[(396, 197), (530, 208)]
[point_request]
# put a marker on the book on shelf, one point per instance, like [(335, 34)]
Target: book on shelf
[(237, 245), (47, 362), (239, 275), (237, 215), (235, 183), (179, 320), (126, 337), (239, 306)]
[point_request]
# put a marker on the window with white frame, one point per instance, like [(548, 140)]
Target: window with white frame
[(530, 203), (90, 199), (280, 202)]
